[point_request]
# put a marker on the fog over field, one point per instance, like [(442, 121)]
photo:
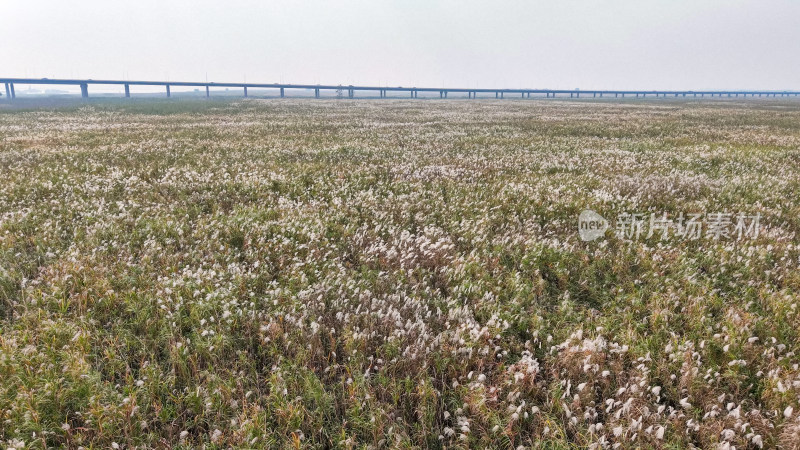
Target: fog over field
[(349, 224)]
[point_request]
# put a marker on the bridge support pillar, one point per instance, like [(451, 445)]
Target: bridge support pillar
[(84, 90), (208, 91), (245, 91), (169, 94), (501, 94), (350, 93), (127, 91), (8, 92), (281, 92), (316, 92)]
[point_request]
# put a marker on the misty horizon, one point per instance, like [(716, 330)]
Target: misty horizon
[(679, 45)]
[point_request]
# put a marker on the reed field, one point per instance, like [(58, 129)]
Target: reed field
[(375, 274)]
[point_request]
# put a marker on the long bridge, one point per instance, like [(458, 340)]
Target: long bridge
[(382, 91)]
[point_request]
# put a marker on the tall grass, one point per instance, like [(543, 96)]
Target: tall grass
[(395, 274)]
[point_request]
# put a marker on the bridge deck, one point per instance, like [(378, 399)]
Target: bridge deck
[(383, 90)]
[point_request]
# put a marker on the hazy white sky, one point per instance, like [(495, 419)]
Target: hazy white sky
[(598, 44)]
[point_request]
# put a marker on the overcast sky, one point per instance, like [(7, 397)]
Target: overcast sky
[(600, 44)]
